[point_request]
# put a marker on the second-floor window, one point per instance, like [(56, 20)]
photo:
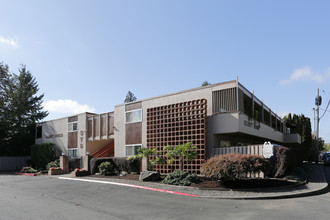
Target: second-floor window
[(73, 126), (133, 116)]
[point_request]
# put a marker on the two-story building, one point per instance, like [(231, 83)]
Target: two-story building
[(211, 117)]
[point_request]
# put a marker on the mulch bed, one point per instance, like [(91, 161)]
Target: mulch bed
[(221, 185)]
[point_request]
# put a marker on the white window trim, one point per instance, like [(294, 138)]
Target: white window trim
[(134, 111), (71, 149), (128, 145), (72, 126)]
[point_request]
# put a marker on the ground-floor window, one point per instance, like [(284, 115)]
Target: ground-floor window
[(73, 152), (131, 150)]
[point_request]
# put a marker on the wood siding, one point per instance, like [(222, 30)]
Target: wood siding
[(73, 119), (134, 106), (134, 133), (72, 139), (100, 126), (111, 124)]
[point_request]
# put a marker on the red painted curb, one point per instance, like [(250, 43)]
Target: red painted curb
[(131, 185)]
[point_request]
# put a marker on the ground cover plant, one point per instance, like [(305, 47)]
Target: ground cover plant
[(28, 170), (180, 178)]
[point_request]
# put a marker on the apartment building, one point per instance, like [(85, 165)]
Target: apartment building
[(214, 116)]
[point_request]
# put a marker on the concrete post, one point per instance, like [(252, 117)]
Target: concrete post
[(86, 162), (64, 163)]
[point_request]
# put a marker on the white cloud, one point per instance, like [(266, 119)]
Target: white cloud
[(8, 42), (66, 106), (305, 74)]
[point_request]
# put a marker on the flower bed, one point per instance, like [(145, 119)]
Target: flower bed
[(28, 171), (79, 172), (55, 171)]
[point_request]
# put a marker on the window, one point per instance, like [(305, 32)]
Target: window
[(39, 132), (134, 116), (73, 126), (73, 152), (131, 150)]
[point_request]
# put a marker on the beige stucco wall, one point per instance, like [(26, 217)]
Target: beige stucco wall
[(55, 127), (183, 96), (119, 130), (60, 126), (82, 134)]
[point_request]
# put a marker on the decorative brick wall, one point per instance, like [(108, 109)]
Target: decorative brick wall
[(178, 124)]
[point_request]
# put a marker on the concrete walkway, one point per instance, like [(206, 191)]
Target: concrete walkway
[(316, 184)]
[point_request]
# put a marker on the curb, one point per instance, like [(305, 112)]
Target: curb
[(130, 185), (26, 174), (320, 189)]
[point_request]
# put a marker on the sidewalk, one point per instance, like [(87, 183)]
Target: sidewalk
[(316, 184)]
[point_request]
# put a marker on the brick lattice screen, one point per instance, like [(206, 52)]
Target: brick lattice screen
[(178, 124)]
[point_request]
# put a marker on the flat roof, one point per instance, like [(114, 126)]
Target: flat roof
[(179, 92)]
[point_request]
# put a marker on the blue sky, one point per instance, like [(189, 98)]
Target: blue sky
[(86, 55)]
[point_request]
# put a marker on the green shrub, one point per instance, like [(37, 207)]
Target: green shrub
[(52, 164), (180, 178), (118, 164), (234, 166), (42, 154), (106, 168), (28, 170)]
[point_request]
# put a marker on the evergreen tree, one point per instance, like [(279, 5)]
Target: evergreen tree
[(206, 83), (302, 125), (21, 110), (130, 97), (4, 86)]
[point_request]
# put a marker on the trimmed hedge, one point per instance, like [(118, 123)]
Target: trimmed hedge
[(233, 166), (42, 154), (118, 164)]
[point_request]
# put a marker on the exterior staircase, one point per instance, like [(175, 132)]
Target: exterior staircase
[(106, 151)]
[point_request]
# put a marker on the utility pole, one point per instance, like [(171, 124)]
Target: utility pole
[(318, 102)]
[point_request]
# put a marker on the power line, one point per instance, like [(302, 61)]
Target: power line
[(326, 109)]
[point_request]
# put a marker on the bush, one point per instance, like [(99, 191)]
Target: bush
[(28, 170), (52, 164), (118, 163), (42, 154), (180, 178), (234, 166), (105, 168)]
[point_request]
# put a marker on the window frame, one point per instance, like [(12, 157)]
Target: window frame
[(72, 155), (135, 110), (132, 145), (71, 123)]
